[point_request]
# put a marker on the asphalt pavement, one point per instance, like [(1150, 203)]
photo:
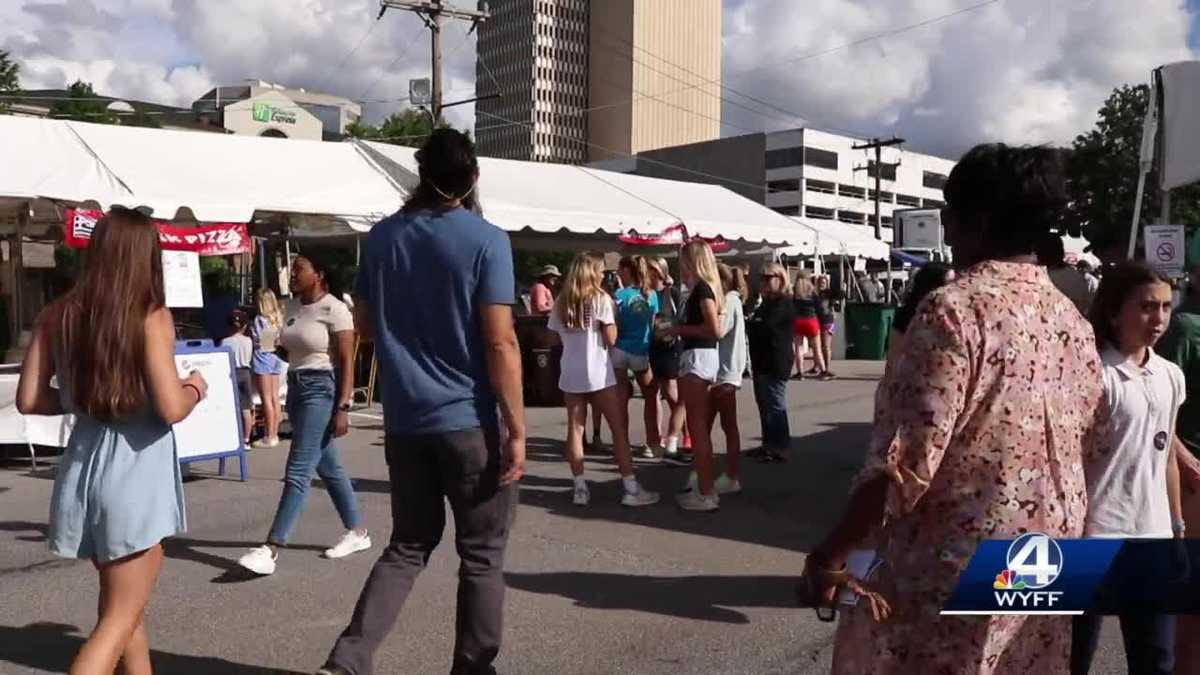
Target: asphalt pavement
[(595, 590)]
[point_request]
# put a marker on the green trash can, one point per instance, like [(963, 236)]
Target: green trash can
[(868, 326)]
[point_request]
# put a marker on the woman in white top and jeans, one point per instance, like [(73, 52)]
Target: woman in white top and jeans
[(1133, 482), (318, 329), (583, 317)]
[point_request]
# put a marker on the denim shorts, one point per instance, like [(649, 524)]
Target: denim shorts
[(700, 363)]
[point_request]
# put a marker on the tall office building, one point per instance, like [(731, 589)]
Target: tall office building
[(587, 81), (537, 51)]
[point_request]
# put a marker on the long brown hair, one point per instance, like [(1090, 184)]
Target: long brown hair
[(733, 279), (102, 320)]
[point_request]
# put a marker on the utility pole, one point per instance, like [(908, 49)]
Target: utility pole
[(878, 145), (434, 13)]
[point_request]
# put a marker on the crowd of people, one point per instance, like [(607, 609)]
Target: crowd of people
[(1002, 410)]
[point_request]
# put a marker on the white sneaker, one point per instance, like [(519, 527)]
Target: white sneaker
[(694, 501), (259, 560), (351, 542), (648, 452), (582, 496), (640, 497), (264, 443), (728, 486)]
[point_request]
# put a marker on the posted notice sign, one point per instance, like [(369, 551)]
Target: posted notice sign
[(1165, 248)]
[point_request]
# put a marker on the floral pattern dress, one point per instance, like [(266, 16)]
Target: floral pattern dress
[(980, 430)]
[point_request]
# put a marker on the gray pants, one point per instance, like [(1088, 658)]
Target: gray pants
[(463, 467)]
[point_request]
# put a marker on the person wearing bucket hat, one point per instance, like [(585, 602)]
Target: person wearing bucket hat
[(541, 294)]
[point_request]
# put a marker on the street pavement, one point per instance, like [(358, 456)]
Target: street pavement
[(595, 590)]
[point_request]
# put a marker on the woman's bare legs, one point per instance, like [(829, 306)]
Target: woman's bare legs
[(608, 402), (577, 408), (818, 353), (694, 393), (798, 344), (723, 399), (650, 412), (125, 589)]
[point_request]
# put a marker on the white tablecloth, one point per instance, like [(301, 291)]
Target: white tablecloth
[(18, 429)]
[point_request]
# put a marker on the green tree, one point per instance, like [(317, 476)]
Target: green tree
[(409, 127), (10, 80), (527, 263), (1102, 172), (83, 106)]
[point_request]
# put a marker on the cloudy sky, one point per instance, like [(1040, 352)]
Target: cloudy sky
[(1014, 70)]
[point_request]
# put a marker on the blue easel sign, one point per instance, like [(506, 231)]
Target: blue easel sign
[(214, 429)]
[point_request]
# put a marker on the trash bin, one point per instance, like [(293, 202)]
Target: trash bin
[(541, 352), (541, 378), (868, 326)]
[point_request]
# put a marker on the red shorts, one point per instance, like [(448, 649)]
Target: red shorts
[(808, 327)]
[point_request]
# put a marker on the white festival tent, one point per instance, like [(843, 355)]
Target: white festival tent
[(563, 206), (187, 176), (844, 239)]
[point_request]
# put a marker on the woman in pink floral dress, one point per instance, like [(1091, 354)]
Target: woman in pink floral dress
[(979, 434)]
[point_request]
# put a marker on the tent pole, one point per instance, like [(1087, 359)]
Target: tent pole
[(1137, 214), (16, 259), (262, 262), (1166, 208)]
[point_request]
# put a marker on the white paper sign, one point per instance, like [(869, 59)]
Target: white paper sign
[(918, 229), (1165, 248), (181, 279), (213, 425)]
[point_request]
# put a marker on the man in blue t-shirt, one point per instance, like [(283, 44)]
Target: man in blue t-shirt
[(436, 291)]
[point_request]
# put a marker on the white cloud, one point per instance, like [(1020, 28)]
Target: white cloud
[(1016, 70)]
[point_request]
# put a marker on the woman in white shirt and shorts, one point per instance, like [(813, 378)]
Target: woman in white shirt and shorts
[(583, 317)]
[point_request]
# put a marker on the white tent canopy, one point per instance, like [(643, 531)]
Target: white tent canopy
[(836, 238), (531, 197), (215, 177)]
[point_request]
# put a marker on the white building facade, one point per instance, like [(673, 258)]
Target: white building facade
[(818, 175)]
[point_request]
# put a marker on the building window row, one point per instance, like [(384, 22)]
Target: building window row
[(933, 181), (821, 186), (802, 156)]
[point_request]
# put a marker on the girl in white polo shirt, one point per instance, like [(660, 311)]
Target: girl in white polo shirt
[(583, 317), (1133, 480)]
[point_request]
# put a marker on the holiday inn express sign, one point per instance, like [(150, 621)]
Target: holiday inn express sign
[(267, 113)]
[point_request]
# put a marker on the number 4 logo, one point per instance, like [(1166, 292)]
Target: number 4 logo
[(1036, 559)]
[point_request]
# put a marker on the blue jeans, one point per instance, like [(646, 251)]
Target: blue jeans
[(310, 403), (1149, 643), (770, 393)]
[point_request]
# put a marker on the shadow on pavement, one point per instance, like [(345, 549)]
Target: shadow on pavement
[(790, 505), (52, 646), (703, 598), (183, 548)]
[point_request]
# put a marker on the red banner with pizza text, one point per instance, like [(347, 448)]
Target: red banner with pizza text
[(214, 239)]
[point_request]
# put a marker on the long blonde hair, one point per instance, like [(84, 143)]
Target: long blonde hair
[(639, 272), (804, 288), (268, 308), (777, 270), (580, 289), (698, 259)]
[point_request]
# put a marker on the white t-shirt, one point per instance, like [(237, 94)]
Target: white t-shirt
[(307, 329), (586, 364), (242, 347), (1127, 479)]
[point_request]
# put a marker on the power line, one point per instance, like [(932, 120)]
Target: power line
[(352, 52), (483, 62), (788, 115), (403, 53), (805, 57), (870, 38), (627, 155)]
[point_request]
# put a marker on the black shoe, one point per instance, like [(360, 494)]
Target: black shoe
[(756, 452), (677, 459)]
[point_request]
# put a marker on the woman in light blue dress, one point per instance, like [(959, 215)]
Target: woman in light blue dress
[(117, 495)]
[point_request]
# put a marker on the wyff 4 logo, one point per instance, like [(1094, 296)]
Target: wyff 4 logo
[(1034, 561)]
